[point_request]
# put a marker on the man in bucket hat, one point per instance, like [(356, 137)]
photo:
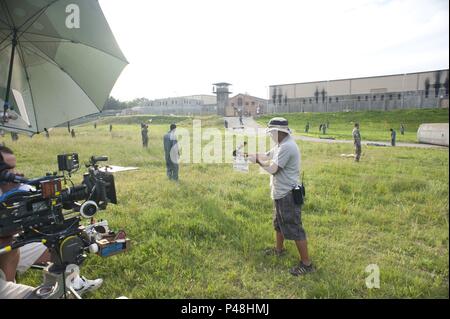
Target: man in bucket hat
[(283, 164)]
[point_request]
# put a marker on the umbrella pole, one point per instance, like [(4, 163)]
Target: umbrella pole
[(8, 85)]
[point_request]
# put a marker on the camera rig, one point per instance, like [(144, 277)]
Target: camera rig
[(46, 210)]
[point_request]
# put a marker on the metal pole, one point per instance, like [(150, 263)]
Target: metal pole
[(8, 84)]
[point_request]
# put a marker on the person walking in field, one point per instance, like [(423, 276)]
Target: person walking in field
[(171, 153), (72, 132), (283, 164), (357, 142), (402, 129), (393, 136), (307, 127)]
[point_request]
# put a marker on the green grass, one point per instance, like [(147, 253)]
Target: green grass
[(374, 125), (203, 237)]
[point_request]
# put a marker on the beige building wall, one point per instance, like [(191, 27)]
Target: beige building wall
[(308, 89), (393, 83), (432, 78), (379, 84), (340, 87)]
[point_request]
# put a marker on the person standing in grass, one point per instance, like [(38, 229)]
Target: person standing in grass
[(357, 142), (307, 127), (171, 153), (402, 129), (241, 122), (393, 136), (144, 133), (283, 164), (14, 136)]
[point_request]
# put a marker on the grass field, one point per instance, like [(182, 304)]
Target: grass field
[(203, 237), (374, 125)]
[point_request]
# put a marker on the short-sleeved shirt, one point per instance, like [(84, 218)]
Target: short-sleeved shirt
[(286, 156), (18, 189), (171, 148)]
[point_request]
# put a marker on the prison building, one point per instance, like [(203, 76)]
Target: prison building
[(389, 92), (247, 104), (181, 105)]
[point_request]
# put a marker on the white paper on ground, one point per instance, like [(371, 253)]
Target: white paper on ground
[(115, 169)]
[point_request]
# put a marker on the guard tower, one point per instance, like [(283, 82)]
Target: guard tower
[(222, 92)]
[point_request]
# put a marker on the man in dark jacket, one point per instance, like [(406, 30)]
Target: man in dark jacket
[(171, 153)]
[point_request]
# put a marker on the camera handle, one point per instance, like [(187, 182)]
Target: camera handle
[(56, 285)]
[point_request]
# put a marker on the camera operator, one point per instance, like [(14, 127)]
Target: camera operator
[(22, 259)]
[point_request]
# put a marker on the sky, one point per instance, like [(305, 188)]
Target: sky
[(182, 47)]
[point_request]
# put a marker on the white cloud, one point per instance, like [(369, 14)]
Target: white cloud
[(179, 47)]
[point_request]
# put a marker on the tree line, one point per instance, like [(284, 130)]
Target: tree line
[(115, 104)]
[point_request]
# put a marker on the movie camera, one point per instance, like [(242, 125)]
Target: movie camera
[(46, 210)]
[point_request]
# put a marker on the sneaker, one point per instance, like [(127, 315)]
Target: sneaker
[(275, 252), (301, 269), (82, 285)]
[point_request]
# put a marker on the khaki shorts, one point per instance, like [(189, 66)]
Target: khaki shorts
[(287, 218)]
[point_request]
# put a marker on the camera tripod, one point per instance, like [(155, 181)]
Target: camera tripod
[(57, 284)]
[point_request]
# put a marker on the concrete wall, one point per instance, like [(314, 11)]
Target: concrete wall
[(414, 90), (436, 133), (372, 101)]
